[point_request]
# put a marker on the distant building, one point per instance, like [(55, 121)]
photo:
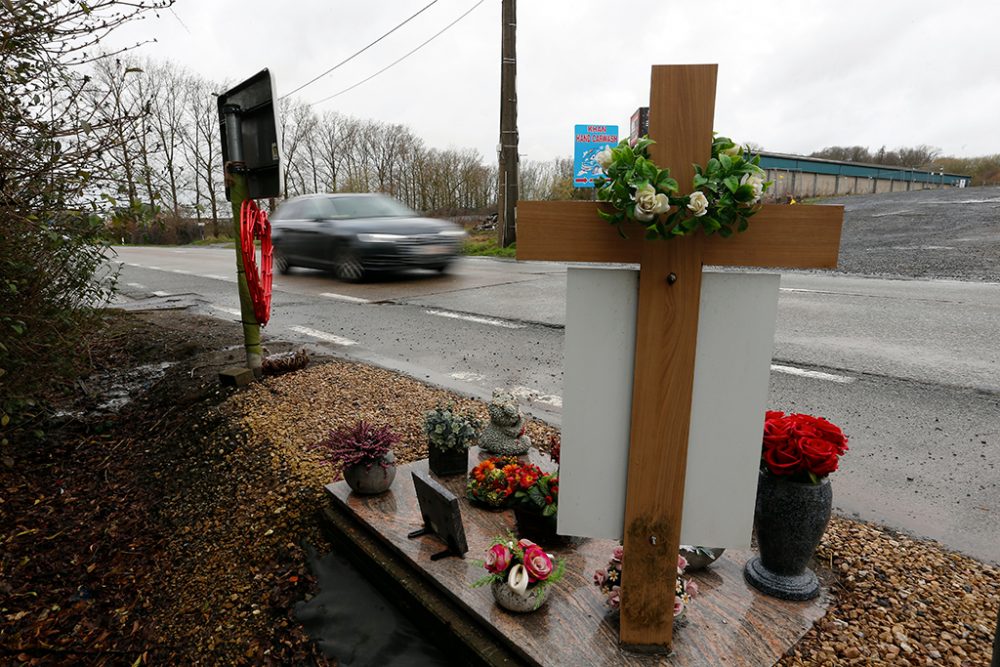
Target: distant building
[(798, 176)]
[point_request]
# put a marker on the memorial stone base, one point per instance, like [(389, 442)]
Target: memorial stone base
[(729, 623)]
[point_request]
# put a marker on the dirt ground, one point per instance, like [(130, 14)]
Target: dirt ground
[(169, 528)]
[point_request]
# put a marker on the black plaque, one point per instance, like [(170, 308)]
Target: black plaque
[(441, 514), (253, 101)]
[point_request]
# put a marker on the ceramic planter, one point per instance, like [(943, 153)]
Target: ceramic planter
[(371, 478), (452, 461), (699, 560), (507, 598), (791, 518)]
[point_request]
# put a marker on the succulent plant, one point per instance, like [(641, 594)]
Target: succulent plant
[(447, 429), (361, 443)]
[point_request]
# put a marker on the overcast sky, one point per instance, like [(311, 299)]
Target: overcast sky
[(794, 76)]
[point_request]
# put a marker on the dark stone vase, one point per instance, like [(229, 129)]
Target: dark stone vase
[(791, 518), (537, 528), (453, 461), (371, 478)]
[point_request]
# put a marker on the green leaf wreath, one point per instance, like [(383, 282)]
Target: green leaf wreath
[(725, 194)]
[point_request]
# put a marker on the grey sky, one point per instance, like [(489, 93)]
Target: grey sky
[(794, 76)]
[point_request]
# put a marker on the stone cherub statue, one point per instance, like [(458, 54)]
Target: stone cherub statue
[(504, 435)]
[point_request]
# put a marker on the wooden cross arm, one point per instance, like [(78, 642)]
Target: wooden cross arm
[(780, 236)]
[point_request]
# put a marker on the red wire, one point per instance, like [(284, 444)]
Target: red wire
[(255, 225)]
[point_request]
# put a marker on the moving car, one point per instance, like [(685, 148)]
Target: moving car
[(353, 234)]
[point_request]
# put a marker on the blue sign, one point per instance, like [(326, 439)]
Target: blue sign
[(591, 140)]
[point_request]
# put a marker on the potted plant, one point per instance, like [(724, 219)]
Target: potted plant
[(365, 454), (794, 500), (490, 483), (519, 573), (536, 499), (610, 578), (449, 435)]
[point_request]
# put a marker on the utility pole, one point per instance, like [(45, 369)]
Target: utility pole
[(507, 148)]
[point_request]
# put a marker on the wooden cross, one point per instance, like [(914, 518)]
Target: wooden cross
[(681, 110)]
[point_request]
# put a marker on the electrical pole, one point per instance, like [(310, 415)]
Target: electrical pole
[(508, 179)]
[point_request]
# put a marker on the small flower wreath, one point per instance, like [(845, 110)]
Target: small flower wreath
[(726, 195)]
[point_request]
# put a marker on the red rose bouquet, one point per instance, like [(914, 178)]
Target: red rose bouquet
[(800, 447)]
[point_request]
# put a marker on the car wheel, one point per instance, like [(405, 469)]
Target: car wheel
[(443, 268), (347, 266), (281, 262)]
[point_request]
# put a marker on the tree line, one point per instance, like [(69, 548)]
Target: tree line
[(166, 166), (984, 170)]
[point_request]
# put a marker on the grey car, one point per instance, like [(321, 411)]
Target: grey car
[(355, 234)]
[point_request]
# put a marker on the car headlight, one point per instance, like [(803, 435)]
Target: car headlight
[(452, 233), (379, 238)]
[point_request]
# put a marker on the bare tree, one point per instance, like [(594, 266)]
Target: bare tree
[(56, 148), (295, 122), (168, 121)]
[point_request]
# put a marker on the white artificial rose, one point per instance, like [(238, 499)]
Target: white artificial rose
[(732, 151), (662, 204), (518, 579), (698, 204), (645, 203), (604, 158), (756, 182)]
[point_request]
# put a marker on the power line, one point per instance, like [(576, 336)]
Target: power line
[(358, 53), (396, 62)]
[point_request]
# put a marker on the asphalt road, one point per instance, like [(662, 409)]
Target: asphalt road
[(909, 368)]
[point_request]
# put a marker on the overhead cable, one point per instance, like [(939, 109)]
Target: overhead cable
[(399, 60), (358, 53)]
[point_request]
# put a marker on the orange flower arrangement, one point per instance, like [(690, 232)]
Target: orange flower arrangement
[(493, 481)]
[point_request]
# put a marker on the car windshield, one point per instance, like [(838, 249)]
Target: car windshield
[(370, 207)]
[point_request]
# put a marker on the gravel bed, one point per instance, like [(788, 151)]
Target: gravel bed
[(949, 234), (897, 600)]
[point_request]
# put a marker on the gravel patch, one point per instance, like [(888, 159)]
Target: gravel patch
[(897, 600), (949, 234)]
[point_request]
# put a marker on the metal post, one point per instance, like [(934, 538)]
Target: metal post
[(237, 179)]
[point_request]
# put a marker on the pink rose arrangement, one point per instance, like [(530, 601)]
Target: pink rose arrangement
[(609, 581), (800, 447), (520, 564)]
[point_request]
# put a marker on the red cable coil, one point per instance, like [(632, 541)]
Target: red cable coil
[(255, 225)]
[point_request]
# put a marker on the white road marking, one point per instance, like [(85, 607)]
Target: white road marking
[(468, 377), (808, 291), (344, 297), (816, 375), (213, 276), (161, 293), (882, 215), (322, 335), (231, 311), (534, 396), (155, 268), (187, 273), (480, 320), (136, 285)]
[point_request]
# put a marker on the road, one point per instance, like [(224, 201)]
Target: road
[(909, 368)]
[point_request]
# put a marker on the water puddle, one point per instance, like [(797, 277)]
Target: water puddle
[(115, 390)]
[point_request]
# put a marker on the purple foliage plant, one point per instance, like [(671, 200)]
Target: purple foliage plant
[(362, 443)]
